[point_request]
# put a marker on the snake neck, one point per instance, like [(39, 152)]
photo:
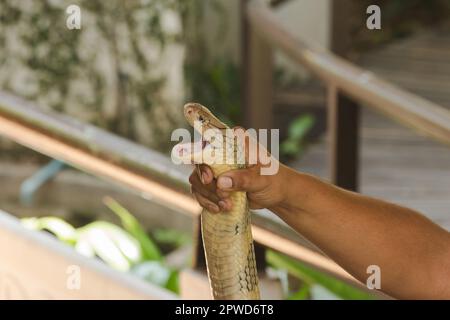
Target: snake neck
[(237, 163)]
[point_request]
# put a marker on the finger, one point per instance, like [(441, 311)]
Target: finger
[(207, 204), (222, 194), (247, 179), (199, 173), (206, 174), (225, 205), (196, 184), (210, 193), (208, 190), (194, 179)]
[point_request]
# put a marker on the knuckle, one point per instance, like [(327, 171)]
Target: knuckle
[(207, 194), (203, 168), (192, 178), (212, 197), (223, 194), (244, 180), (202, 201), (206, 203)]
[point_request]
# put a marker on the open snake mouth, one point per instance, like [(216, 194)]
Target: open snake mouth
[(212, 133), (192, 149)]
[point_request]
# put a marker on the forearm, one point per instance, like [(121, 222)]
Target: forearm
[(358, 231)]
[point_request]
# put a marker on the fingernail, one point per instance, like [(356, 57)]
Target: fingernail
[(213, 208), (223, 205), (204, 177), (225, 182)]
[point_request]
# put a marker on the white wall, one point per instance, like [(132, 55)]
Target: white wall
[(229, 44), (308, 19)]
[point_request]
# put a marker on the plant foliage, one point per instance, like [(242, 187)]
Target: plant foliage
[(127, 248), (310, 277)]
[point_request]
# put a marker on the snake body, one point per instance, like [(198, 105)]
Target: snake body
[(227, 236)]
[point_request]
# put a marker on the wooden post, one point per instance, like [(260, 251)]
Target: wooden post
[(257, 92), (343, 123), (257, 82), (343, 113), (340, 26), (244, 60)]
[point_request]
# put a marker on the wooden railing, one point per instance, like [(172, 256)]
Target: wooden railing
[(152, 174), (348, 88)]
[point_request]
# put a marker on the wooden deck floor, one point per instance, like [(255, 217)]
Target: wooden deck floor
[(397, 165), (420, 64)]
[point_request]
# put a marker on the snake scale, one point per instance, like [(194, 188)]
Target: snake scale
[(227, 236)]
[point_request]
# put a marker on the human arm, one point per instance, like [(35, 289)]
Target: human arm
[(354, 230)]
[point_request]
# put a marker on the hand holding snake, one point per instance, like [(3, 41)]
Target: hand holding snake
[(226, 227)]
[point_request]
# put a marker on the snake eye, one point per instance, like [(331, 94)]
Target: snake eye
[(200, 118)]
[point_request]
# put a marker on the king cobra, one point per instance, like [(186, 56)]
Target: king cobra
[(227, 236)]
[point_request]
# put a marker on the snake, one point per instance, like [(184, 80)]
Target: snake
[(227, 236)]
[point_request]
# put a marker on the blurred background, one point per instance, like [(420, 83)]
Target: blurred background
[(132, 66)]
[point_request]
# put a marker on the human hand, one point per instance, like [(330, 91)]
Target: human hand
[(263, 191)]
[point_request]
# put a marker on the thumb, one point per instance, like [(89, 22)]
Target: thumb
[(247, 179)]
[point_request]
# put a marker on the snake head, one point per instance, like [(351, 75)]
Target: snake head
[(216, 143), (201, 119)]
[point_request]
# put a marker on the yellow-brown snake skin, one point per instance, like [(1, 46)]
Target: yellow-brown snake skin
[(227, 236)]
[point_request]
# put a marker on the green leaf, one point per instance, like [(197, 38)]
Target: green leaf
[(296, 133), (61, 229), (290, 147), (301, 294), (131, 224), (157, 273), (171, 237), (311, 276), (173, 284), (110, 243), (318, 292), (300, 127), (152, 271)]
